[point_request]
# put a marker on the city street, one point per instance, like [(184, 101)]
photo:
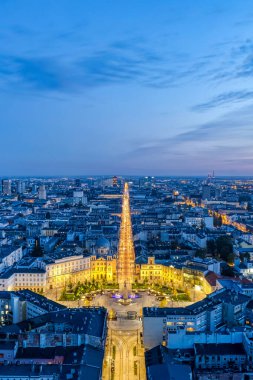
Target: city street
[(124, 356), (145, 300)]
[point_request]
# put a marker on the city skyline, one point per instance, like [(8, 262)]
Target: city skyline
[(130, 88), (115, 278)]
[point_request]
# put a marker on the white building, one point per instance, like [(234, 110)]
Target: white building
[(9, 255), (221, 308), (6, 186), (42, 192), (18, 279), (198, 220), (78, 197)]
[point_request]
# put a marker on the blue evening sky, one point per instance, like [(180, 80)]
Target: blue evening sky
[(155, 87)]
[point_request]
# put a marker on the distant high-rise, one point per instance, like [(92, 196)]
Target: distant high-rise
[(217, 193), (206, 192), (21, 187), (146, 182), (79, 197), (77, 182), (115, 181), (34, 188), (6, 186), (42, 192)]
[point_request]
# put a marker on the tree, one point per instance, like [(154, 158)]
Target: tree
[(249, 206), (63, 295), (245, 255), (244, 198), (163, 302), (217, 221), (48, 215), (211, 247), (224, 248), (227, 271), (230, 258), (173, 244), (200, 253), (37, 250)]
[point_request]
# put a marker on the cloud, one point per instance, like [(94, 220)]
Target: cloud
[(106, 67), (219, 143), (231, 66), (121, 62), (224, 99), (37, 73)]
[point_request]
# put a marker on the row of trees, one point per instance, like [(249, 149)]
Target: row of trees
[(75, 292), (221, 248), (176, 293)]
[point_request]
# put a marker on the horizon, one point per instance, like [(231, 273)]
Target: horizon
[(80, 176)]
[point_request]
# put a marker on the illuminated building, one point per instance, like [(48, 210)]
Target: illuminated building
[(68, 270), (126, 255), (223, 307), (24, 304), (5, 308), (153, 273), (103, 268), (18, 279)]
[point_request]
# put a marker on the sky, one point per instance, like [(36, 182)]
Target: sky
[(121, 87)]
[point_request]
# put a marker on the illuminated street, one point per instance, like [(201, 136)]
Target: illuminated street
[(124, 356), (126, 256)]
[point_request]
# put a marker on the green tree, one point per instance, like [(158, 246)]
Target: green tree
[(211, 247), (230, 258), (245, 255), (63, 295), (225, 248), (227, 271), (200, 253), (249, 206), (217, 221), (37, 250), (173, 244), (48, 215), (244, 198)]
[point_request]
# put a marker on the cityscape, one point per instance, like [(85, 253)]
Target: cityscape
[(126, 190), (126, 278)]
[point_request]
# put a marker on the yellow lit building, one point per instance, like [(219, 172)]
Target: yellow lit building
[(103, 268), (151, 272), (160, 274), (68, 270)]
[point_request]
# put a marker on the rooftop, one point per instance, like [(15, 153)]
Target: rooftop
[(219, 349), (90, 321), (39, 300)]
